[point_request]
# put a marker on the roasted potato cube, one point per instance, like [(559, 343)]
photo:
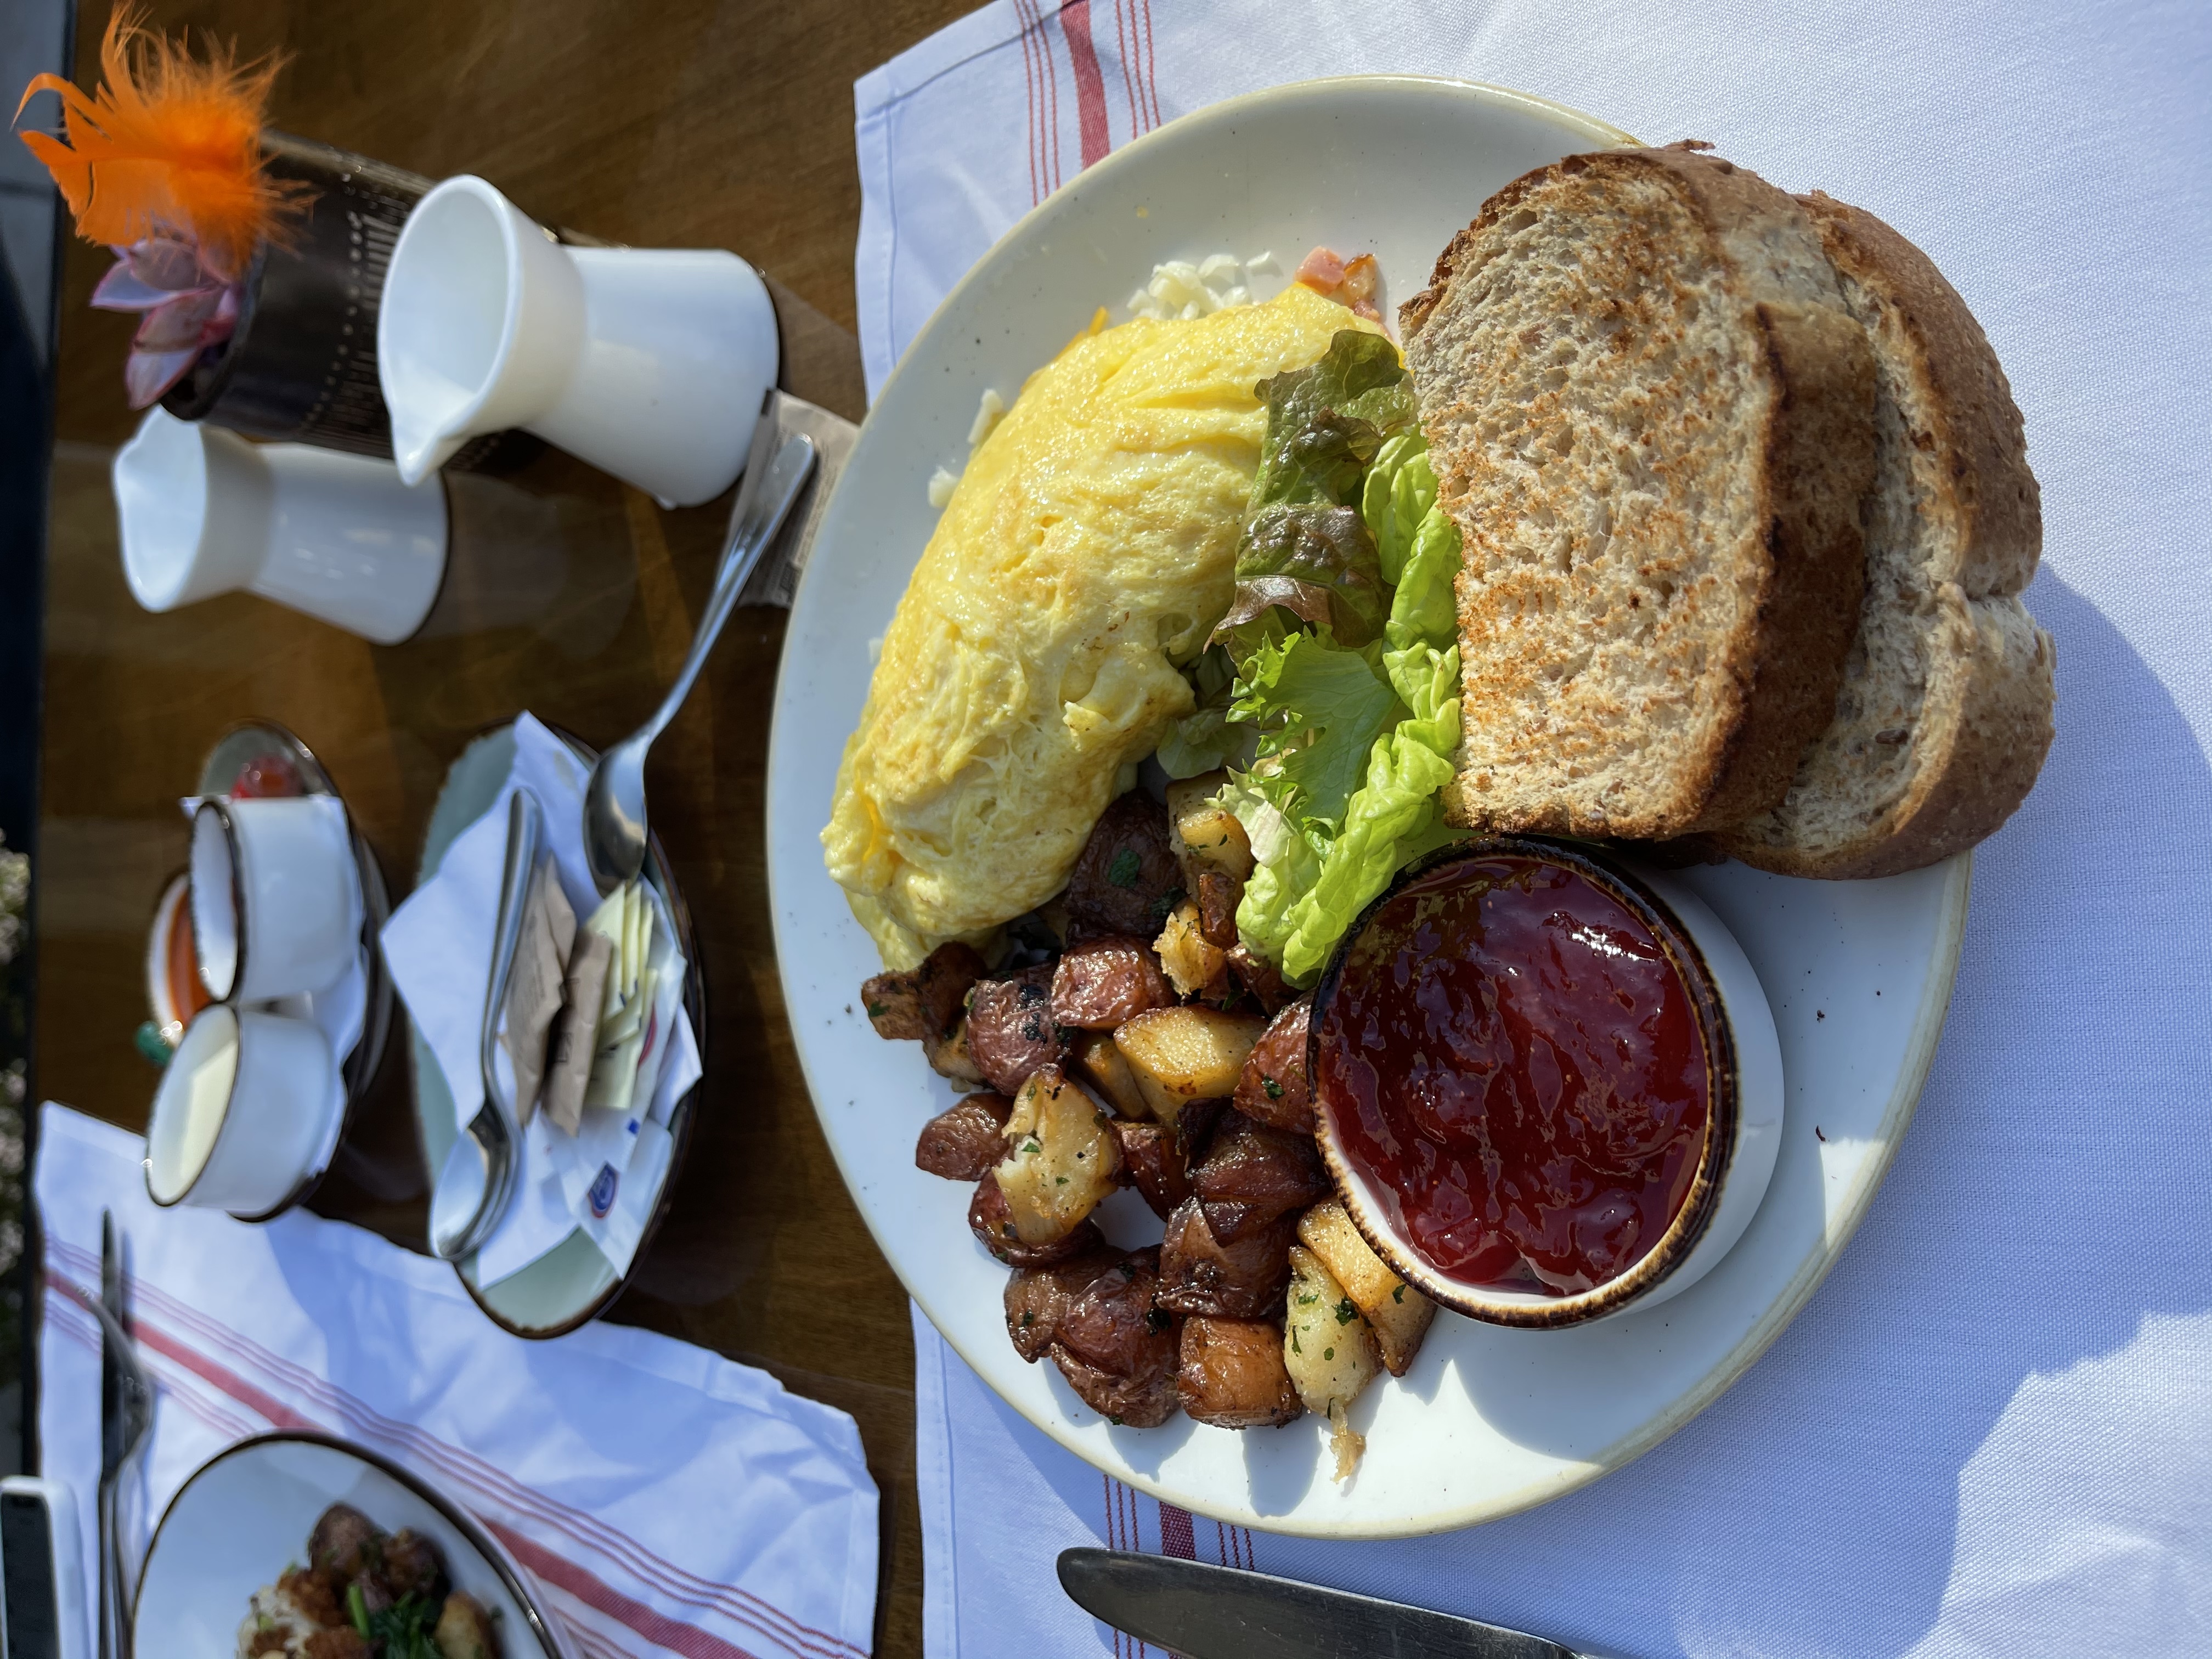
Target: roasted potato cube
[(1192, 963), (1010, 1032), (1253, 1175), (1258, 976), (1152, 1161), (1200, 1274), (1101, 1064), (1232, 1374), (893, 1004), (1105, 982), (1181, 1054), (1274, 1087), (1062, 1157), (464, 1629), (993, 1223), (1398, 1314), (1219, 896), (1328, 1349), (1206, 837), (1116, 1345), (343, 1540), (1036, 1298), (963, 1143), (1126, 879), (948, 1056), (943, 981)]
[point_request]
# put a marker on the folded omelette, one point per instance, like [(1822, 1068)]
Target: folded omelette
[(1085, 557)]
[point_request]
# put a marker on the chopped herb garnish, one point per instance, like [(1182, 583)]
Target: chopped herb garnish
[(357, 1609), (1398, 1293), (1032, 1145), (1115, 1420), (1345, 1311), (1060, 1180), (1274, 1089), (1295, 1348), (1328, 1353), (1125, 868), (1028, 1318), (878, 1010)]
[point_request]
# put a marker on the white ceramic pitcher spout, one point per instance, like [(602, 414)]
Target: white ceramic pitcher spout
[(650, 363)]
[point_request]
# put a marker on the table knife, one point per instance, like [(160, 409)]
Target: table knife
[(1203, 1612)]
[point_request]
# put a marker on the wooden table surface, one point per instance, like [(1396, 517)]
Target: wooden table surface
[(680, 124)]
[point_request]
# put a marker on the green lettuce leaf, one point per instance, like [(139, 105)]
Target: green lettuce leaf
[(1203, 741), (1326, 422), (1307, 548), (1316, 561), (1393, 818), (1400, 489), (1320, 708), (1425, 609), (1343, 635)]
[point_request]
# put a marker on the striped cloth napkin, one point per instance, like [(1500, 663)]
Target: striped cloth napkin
[(668, 1501), (1991, 1431)]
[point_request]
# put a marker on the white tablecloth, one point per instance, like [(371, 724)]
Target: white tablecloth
[(668, 1501), (1991, 1430)]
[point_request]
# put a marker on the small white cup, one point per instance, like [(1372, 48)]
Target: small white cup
[(203, 512), (650, 363), (242, 1113), (275, 897)]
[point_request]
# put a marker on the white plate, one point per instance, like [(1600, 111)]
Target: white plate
[(245, 1516), (1489, 1420)]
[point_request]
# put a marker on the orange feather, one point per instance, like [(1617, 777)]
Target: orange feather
[(168, 145)]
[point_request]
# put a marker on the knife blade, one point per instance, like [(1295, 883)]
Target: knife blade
[(1204, 1612), (111, 1377)]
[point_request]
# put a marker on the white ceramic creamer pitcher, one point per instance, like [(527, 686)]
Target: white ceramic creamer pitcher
[(650, 363), (203, 512)]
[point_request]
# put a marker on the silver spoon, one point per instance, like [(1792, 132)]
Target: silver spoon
[(614, 799), (478, 1179)]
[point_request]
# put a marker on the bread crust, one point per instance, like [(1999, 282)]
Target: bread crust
[(1984, 720), (1987, 483), (1784, 661)]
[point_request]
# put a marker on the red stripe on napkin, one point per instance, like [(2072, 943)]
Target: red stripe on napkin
[(279, 1414), (1090, 85), (656, 1627), (1128, 68), (1176, 1536), (1029, 89)]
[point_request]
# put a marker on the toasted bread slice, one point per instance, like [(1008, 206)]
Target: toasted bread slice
[(1652, 415), (1945, 714)]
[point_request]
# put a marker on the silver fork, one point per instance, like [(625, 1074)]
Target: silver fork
[(614, 799), (137, 1415)]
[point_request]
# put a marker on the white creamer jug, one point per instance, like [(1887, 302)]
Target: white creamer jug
[(203, 512), (650, 363)]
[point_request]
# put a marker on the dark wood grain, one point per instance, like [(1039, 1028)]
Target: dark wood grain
[(689, 123)]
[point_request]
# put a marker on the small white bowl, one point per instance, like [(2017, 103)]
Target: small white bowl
[(1743, 1130), (245, 1516)]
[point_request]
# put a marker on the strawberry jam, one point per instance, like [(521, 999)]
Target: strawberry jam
[(1512, 1052)]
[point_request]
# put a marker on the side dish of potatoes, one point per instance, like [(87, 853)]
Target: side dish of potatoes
[(1137, 1043)]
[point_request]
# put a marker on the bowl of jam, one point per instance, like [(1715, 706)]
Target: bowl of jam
[(1546, 1084)]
